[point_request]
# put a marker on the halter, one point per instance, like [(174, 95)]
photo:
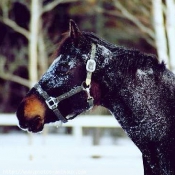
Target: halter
[(52, 102)]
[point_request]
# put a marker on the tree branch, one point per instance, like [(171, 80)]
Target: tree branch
[(117, 14), (110, 13), (15, 26), (15, 78), (160, 33), (132, 18), (53, 4)]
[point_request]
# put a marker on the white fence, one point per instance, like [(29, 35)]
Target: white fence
[(83, 121)]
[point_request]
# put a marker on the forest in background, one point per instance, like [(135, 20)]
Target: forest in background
[(31, 29)]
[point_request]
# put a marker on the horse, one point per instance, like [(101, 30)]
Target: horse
[(135, 87)]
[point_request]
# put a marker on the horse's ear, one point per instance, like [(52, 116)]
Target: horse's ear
[(74, 31)]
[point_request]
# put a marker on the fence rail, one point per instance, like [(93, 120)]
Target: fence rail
[(8, 120), (82, 121)]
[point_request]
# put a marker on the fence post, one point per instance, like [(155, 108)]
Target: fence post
[(78, 134)]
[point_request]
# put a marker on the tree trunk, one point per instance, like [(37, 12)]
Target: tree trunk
[(33, 40), (42, 57), (160, 34), (170, 27)]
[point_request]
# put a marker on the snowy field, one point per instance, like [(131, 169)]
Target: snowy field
[(54, 154)]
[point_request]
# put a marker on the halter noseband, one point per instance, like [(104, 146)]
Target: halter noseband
[(52, 102)]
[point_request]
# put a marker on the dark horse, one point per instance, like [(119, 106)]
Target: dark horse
[(137, 89)]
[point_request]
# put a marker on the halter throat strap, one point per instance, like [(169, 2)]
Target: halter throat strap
[(52, 102)]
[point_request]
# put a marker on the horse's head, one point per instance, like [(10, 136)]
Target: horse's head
[(66, 89)]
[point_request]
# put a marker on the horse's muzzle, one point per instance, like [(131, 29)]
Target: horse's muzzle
[(34, 125), (31, 119)]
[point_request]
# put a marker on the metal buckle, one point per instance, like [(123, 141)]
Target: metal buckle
[(91, 65), (52, 103), (90, 102)]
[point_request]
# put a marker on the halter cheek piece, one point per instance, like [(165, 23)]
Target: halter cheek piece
[(52, 102)]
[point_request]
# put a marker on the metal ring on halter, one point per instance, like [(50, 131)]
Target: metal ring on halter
[(90, 99)]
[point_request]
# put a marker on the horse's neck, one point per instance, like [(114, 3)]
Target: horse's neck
[(109, 75), (109, 80), (126, 74)]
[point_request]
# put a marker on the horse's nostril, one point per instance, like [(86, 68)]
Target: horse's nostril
[(36, 119), (35, 124)]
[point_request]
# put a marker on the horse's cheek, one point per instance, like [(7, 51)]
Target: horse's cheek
[(96, 93)]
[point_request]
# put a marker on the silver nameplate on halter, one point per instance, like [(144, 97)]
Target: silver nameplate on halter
[(52, 103), (91, 65)]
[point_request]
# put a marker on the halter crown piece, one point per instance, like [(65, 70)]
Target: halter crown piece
[(52, 102), (91, 65)]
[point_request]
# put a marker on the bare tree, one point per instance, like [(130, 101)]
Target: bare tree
[(33, 40), (133, 18), (124, 10), (160, 32), (35, 37), (170, 29)]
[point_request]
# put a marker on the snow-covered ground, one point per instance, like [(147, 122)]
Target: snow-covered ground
[(54, 154)]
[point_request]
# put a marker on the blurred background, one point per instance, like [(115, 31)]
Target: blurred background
[(29, 33)]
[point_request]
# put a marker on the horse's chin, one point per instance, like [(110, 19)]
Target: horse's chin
[(36, 124), (36, 129), (32, 129), (33, 125)]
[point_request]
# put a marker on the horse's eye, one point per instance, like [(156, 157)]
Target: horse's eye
[(63, 69)]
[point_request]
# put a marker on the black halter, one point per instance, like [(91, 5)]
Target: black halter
[(52, 102)]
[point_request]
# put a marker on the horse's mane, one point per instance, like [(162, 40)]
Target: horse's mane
[(129, 59), (98, 40)]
